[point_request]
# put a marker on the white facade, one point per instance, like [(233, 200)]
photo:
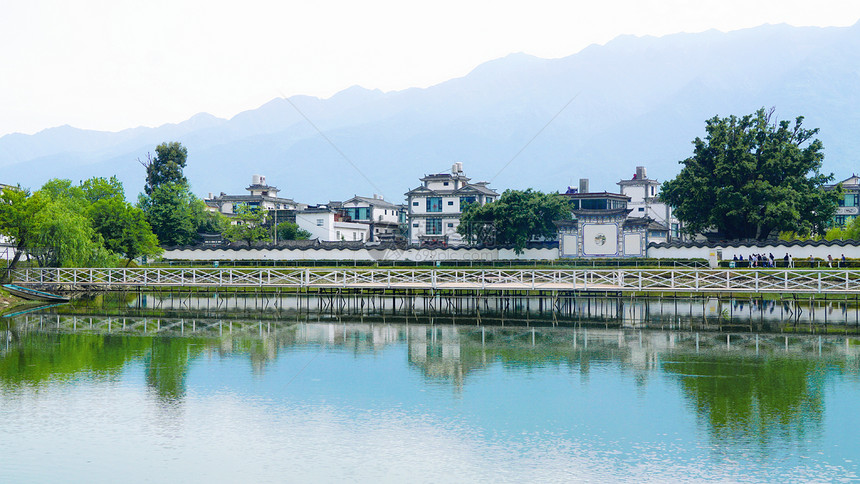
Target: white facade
[(259, 195), (381, 217), (435, 207), (645, 201), (324, 226)]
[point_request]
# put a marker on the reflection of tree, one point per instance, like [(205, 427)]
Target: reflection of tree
[(754, 399), (167, 366), (38, 358)]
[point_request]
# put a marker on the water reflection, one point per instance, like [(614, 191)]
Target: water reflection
[(613, 399), (750, 313)]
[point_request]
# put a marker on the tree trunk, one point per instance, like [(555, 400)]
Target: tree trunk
[(11, 267)]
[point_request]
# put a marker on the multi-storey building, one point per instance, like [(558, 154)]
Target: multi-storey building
[(645, 202), (382, 218), (435, 207), (611, 224), (327, 225), (259, 195), (849, 204)]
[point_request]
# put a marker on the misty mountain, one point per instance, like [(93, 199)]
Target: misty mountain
[(517, 122)]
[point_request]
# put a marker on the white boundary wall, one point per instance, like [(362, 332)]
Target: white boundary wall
[(798, 251), (365, 254)]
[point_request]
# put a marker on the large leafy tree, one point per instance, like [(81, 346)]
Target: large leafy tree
[(17, 216), (123, 227), (169, 211), (514, 219), (249, 227), (166, 168), (751, 177)]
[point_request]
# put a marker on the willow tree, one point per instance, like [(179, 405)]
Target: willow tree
[(752, 177)]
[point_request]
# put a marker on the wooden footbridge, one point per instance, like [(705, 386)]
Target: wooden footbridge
[(826, 281)]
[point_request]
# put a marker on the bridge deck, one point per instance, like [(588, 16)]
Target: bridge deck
[(829, 281)]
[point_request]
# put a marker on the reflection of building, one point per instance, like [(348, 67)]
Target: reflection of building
[(435, 207), (849, 204)]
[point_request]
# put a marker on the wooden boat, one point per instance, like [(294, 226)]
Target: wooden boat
[(34, 295)]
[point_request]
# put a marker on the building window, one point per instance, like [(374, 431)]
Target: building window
[(434, 226), (434, 204), (445, 183), (357, 213), (450, 203), (489, 199), (641, 209), (320, 222), (415, 225), (414, 204), (839, 220), (466, 200), (450, 224), (851, 200)]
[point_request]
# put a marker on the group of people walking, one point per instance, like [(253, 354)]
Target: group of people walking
[(762, 260)]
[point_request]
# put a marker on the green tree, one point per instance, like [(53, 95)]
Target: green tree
[(249, 226), (166, 168), (64, 237), (750, 177), (169, 211), (123, 228), (207, 221), (514, 219), (291, 231), (17, 220)]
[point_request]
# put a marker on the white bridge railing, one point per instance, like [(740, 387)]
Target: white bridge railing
[(645, 280)]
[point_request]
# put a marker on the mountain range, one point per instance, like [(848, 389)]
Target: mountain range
[(517, 122)]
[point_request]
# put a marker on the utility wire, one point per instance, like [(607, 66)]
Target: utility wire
[(331, 143), (535, 136)]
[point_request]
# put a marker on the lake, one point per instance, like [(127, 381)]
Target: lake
[(210, 388)]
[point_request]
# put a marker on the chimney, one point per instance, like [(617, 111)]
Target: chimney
[(210, 196), (583, 185), (255, 179), (640, 173)]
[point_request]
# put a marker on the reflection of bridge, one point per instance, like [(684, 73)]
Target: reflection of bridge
[(558, 280), (434, 342)]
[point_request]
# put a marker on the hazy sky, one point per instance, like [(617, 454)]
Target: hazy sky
[(115, 64)]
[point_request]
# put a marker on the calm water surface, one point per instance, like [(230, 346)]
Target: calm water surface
[(275, 400)]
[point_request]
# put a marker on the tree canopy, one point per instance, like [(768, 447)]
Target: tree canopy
[(170, 212), (291, 231), (751, 177), (514, 219), (250, 225), (64, 225), (166, 168)]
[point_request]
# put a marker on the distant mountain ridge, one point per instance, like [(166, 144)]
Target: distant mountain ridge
[(634, 101)]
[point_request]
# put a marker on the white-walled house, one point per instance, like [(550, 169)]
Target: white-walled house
[(849, 204), (604, 225), (381, 217), (435, 207), (259, 194), (326, 225), (645, 202)]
